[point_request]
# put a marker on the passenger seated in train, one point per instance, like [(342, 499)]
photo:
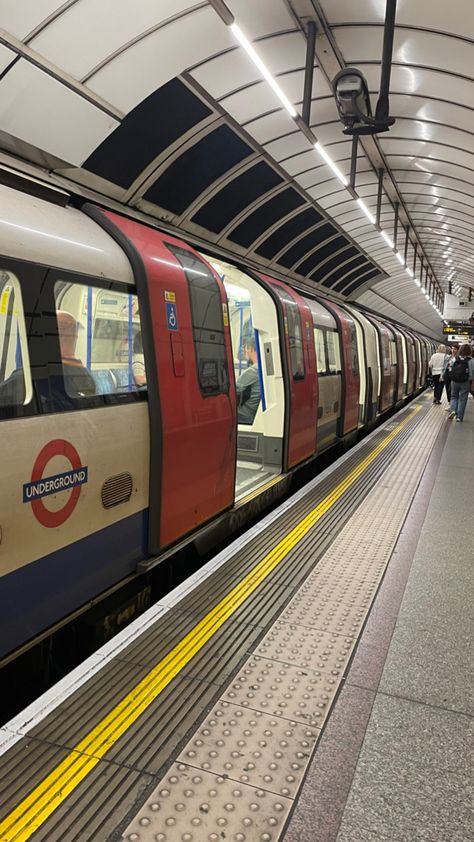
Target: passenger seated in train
[(138, 361), (248, 386), (77, 378)]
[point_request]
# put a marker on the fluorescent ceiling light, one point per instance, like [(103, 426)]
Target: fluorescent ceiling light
[(399, 257), (263, 69), (337, 172), (387, 239), (417, 282), (365, 210), (423, 290), (412, 275)]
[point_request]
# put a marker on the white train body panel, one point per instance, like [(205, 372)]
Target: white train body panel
[(35, 230), (109, 442)]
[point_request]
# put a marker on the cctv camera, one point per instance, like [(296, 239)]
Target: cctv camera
[(352, 97), (353, 103)]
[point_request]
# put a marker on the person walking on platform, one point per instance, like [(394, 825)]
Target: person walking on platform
[(462, 375), (436, 365), (451, 355)]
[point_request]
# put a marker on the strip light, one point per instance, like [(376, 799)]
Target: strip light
[(365, 210), (227, 17), (337, 172), (387, 239), (245, 43)]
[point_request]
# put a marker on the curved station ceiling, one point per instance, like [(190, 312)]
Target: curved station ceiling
[(155, 104)]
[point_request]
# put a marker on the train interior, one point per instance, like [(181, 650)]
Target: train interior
[(257, 368), (105, 338), (15, 377)]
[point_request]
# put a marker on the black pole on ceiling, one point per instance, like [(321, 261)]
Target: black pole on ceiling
[(395, 225), (382, 109), (415, 255), (407, 238), (379, 197), (352, 178), (308, 72)]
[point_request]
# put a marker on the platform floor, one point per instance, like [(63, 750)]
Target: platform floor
[(248, 704), (396, 761)]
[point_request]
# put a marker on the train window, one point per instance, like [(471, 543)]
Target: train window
[(208, 323), (100, 340), (15, 376), (295, 339), (353, 347), (334, 353), (386, 351), (320, 351), (393, 352)]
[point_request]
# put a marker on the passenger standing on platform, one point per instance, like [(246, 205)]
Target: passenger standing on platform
[(462, 375), (446, 375), (436, 364), (248, 386)]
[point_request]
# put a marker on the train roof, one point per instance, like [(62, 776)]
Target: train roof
[(38, 231)]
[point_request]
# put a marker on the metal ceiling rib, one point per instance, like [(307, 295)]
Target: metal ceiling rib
[(108, 63)]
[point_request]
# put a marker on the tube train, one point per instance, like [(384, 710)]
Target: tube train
[(121, 354)]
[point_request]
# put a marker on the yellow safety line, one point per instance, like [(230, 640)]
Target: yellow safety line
[(33, 811)]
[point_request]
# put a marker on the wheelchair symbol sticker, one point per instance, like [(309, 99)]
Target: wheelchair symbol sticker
[(171, 316)]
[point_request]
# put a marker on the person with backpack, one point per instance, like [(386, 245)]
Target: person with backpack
[(461, 376), (448, 364)]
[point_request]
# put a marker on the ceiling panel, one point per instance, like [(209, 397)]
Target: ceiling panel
[(73, 44), (410, 47), (40, 110), (257, 19), (225, 73), (6, 57), (456, 18), (140, 70), (21, 18)]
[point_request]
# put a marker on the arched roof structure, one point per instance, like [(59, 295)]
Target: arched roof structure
[(154, 104)]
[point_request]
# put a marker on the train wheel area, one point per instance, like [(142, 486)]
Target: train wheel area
[(219, 713)]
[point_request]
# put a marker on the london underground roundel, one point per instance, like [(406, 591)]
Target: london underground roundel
[(43, 484)]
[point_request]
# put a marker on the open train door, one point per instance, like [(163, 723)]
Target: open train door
[(302, 386), (351, 368), (190, 378)]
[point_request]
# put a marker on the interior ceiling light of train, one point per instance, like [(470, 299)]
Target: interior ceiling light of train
[(190, 112)]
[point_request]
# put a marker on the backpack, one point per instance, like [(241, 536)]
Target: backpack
[(460, 370)]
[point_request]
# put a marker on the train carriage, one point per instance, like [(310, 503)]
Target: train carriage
[(122, 354)]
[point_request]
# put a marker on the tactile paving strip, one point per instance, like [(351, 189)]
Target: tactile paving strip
[(252, 747), (325, 614), (284, 690), (294, 684), (195, 806), (307, 648)]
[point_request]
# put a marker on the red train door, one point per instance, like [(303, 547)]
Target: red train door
[(351, 372), (400, 364), (302, 418), (386, 388), (189, 365)]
